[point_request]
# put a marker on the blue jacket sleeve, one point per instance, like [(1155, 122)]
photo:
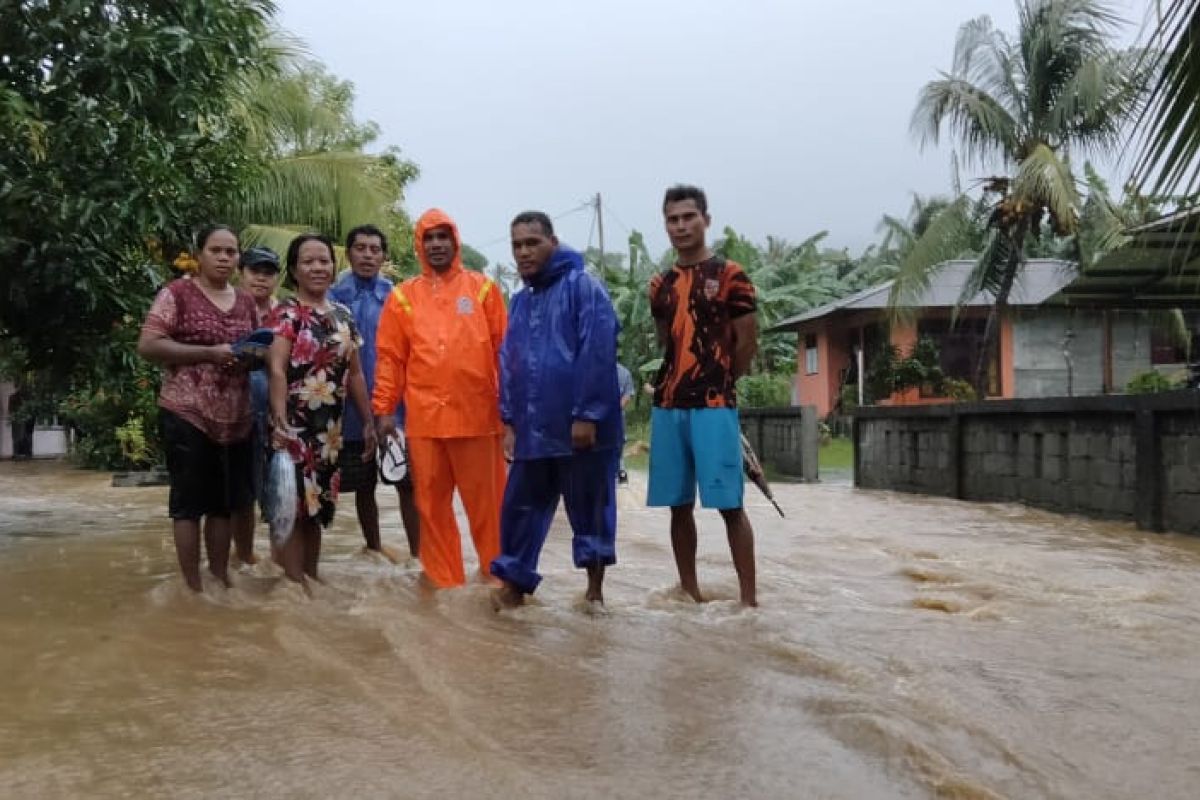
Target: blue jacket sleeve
[(595, 379), (340, 291), (508, 354)]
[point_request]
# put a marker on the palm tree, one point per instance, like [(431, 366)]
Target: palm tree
[(900, 235), (1027, 104), (316, 173), (1172, 140)]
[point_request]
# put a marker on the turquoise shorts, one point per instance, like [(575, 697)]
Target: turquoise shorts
[(690, 446)]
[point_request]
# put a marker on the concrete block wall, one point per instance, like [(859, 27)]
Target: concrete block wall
[(785, 438), (1040, 368), (1079, 464), (906, 454), (1134, 458), (1130, 346), (1180, 447)]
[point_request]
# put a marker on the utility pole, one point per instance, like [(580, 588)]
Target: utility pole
[(600, 229)]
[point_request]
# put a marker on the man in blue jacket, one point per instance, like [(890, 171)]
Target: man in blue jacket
[(363, 290), (561, 410)]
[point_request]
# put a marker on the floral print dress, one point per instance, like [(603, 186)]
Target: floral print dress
[(318, 374)]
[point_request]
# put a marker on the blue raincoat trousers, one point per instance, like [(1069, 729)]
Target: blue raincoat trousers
[(587, 484), (558, 365)]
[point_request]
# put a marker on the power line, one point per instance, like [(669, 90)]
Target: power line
[(612, 212), (555, 218)]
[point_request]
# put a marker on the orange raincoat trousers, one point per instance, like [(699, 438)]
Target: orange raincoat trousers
[(437, 348)]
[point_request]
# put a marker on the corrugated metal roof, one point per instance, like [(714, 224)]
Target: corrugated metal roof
[(1158, 268), (1040, 279)]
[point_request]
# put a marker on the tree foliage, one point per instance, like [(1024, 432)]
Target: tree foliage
[(117, 141), (317, 172), (1029, 103), (1169, 160)]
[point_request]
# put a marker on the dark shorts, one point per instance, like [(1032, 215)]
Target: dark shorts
[(359, 476), (207, 479)]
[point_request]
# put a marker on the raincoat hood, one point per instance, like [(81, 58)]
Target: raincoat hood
[(436, 218), (561, 261)]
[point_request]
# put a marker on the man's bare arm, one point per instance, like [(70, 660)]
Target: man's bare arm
[(745, 344)]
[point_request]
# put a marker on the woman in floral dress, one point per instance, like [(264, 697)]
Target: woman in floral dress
[(313, 365)]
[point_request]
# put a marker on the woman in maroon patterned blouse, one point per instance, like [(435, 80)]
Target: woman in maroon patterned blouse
[(204, 405)]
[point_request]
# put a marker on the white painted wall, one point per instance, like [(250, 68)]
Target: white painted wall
[(49, 441)]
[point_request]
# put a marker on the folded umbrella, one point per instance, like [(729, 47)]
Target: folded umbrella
[(754, 471)]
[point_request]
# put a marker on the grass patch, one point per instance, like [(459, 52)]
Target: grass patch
[(836, 456)]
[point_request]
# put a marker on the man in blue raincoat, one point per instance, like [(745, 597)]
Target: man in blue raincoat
[(363, 289), (561, 410)]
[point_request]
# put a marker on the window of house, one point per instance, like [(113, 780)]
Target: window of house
[(958, 350), (811, 362)]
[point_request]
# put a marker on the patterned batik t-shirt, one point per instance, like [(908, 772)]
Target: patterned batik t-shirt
[(699, 303), (214, 399)]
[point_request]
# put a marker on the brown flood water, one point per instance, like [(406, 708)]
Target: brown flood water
[(906, 647)]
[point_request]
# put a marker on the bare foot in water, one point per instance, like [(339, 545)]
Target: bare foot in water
[(223, 577), (507, 596), (383, 551), (595, 588), (302, 583)]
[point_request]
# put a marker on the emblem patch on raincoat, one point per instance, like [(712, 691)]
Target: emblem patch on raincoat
[(465, 306)]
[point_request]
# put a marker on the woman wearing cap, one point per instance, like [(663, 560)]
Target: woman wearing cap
[(313, 365), (204, 404), (259, 268)]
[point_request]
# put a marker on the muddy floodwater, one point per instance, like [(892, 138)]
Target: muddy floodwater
[(906, 647)]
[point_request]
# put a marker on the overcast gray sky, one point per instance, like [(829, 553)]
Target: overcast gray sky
[(792, 114)]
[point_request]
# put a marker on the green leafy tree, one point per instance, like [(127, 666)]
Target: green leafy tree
[(1172, 128), (628, 288), (788, 279), (1029, 103), (117, 141), (473, 259)]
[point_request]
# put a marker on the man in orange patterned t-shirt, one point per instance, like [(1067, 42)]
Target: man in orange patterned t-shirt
[(704, 310)]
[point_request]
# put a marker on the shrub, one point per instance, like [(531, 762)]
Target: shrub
[(764, 390), (1150, 382), (959, 390), (849, 397), (113, 409)]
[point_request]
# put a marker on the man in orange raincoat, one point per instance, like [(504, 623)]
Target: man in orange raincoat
[(438, 342)]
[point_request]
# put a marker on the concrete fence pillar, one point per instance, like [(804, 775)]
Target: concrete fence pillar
[(955, 455), (1148, 508), (810, 443)]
